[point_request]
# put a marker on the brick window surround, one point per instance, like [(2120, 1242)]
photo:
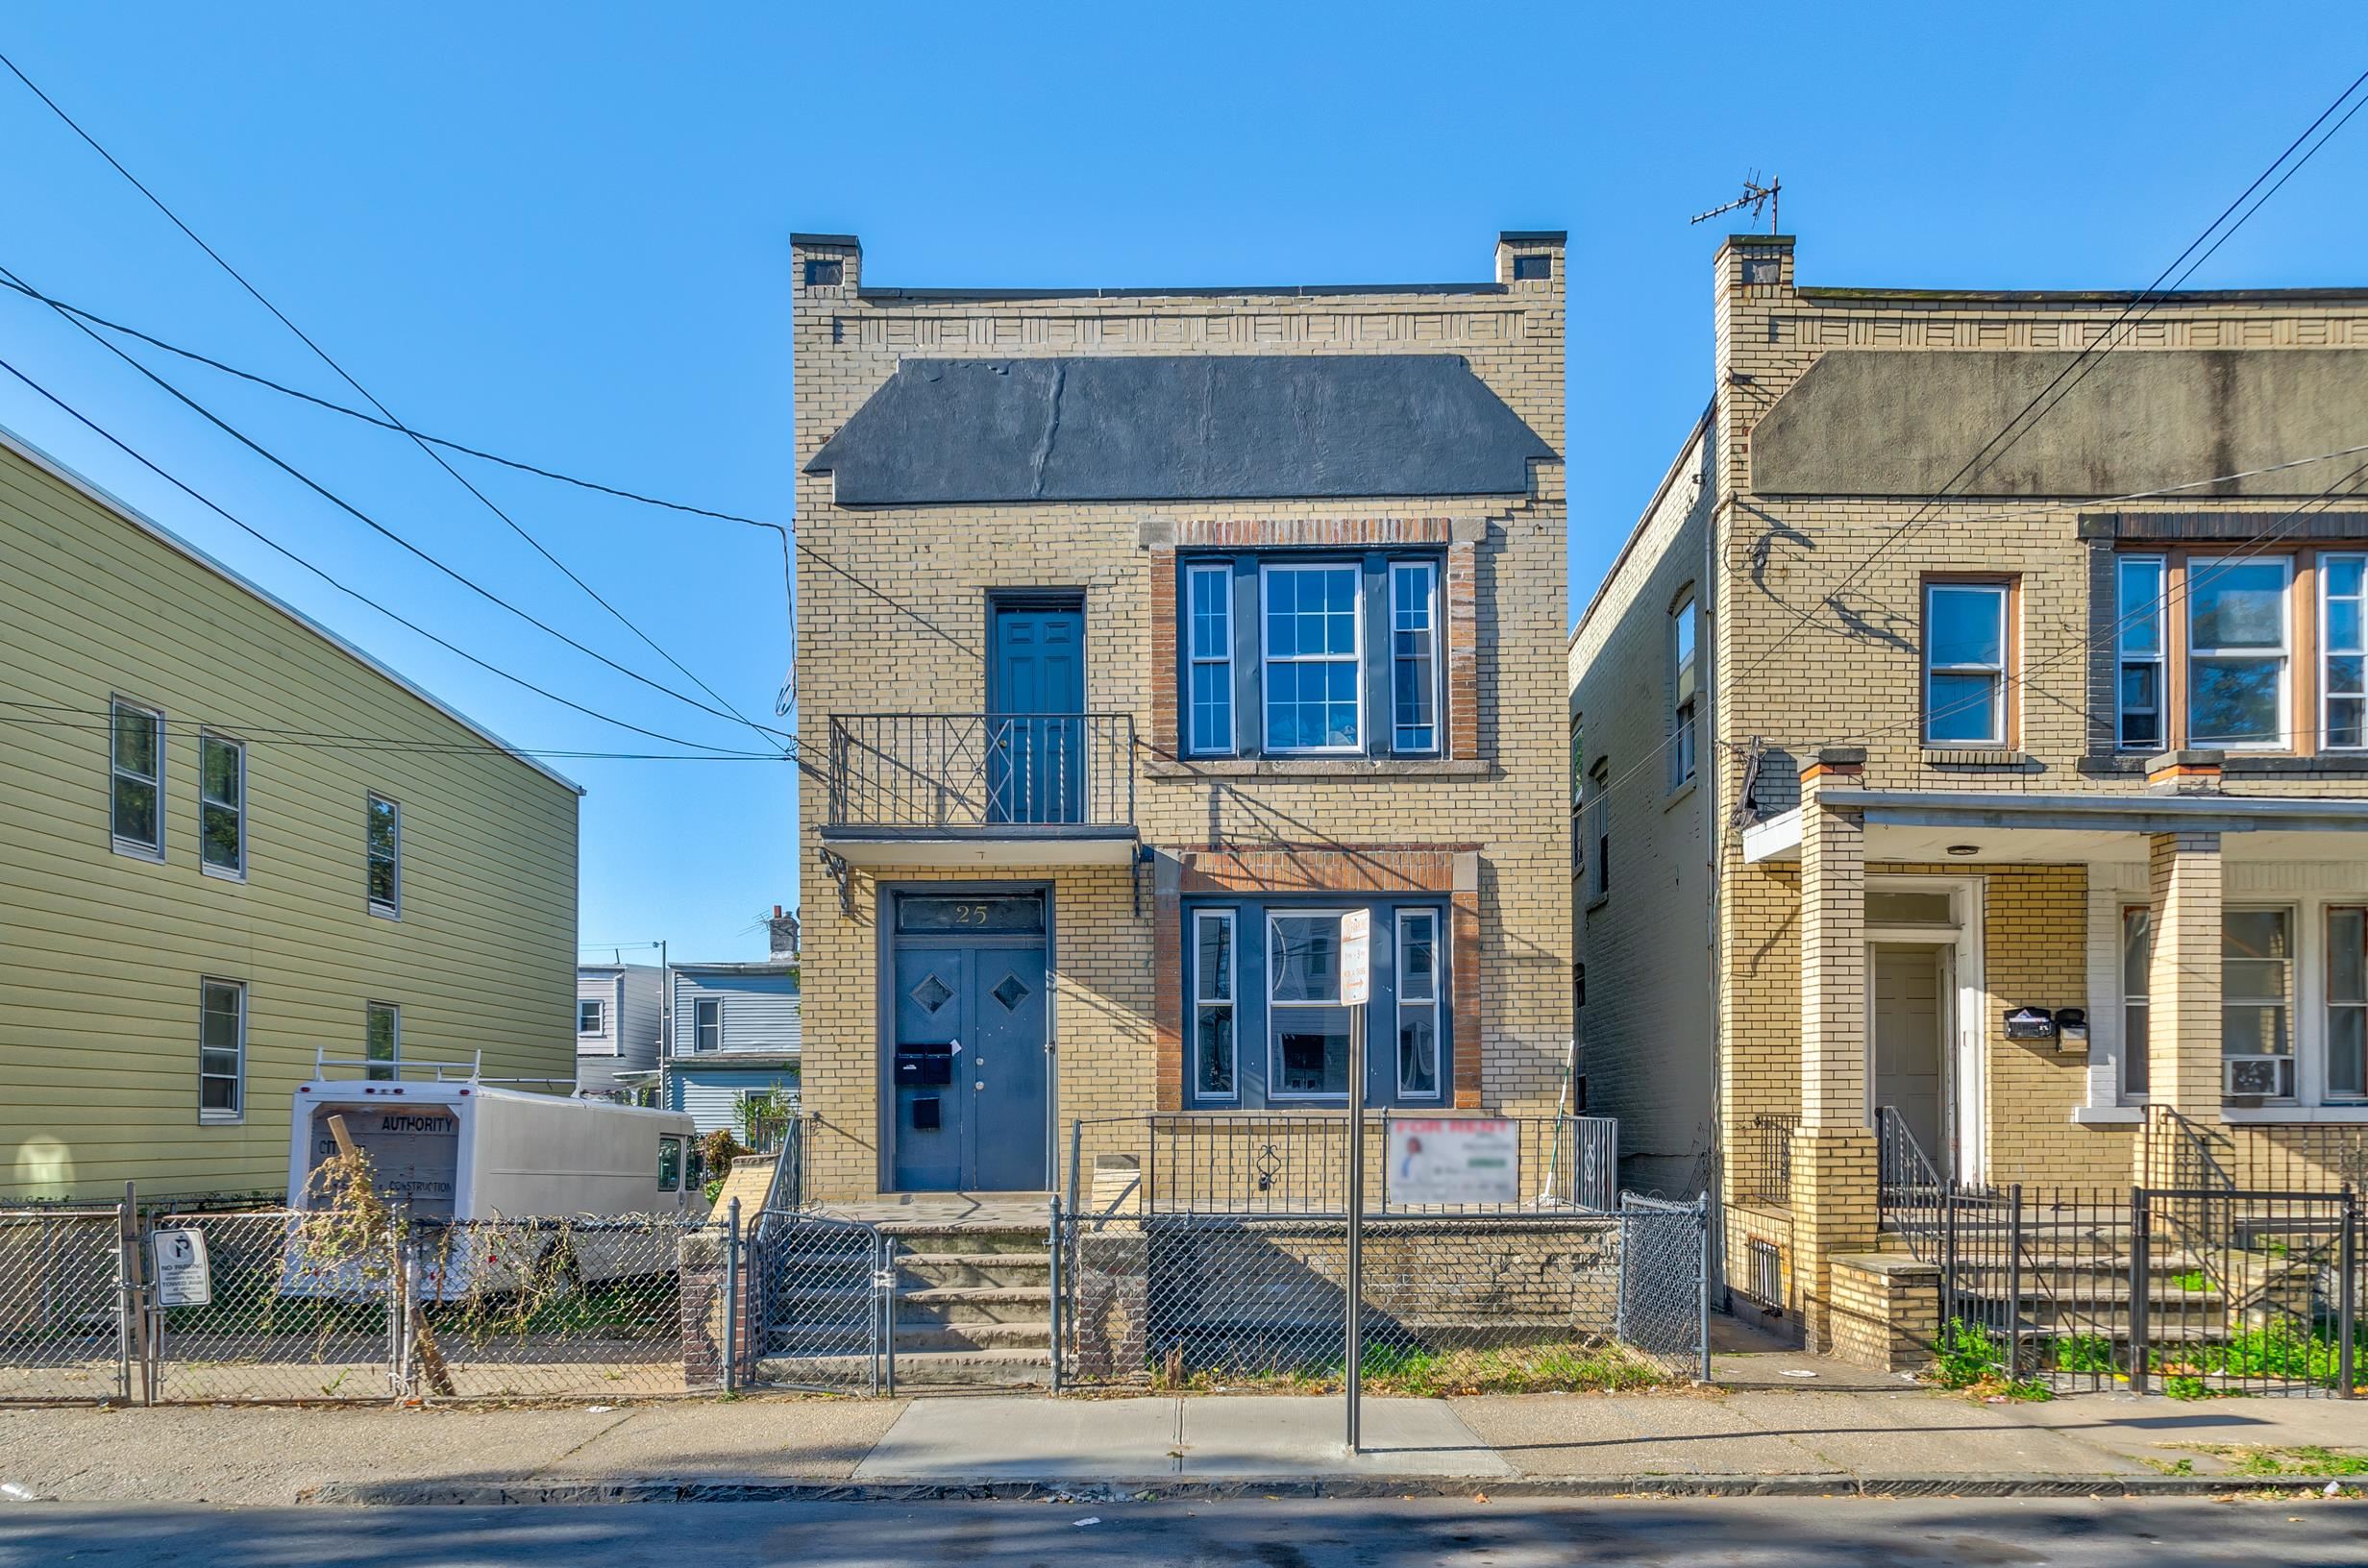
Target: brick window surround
[(1459, 592), (1452, 870)]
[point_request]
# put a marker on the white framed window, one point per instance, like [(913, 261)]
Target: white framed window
[(381, 1034), (2141, 674), (136, 758), (591, 1016), (2237, 641), (1307, 1024), (1214, 1068), (2343, 652), (2137, 956), (2346, 1073), (382, 851), (221, 805), (1413, 657), (221, 1050), (1683, 628), (1596, 821), (2257, 1000), (1208, 592), (1418, 1004), (1965, 642), (1311, 657), (708, 1024)]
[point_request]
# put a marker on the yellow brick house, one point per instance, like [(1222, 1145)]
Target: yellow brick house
[(1143, 633), (1971, 759), (235, 842)]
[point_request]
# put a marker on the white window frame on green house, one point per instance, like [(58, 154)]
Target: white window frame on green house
[(706, 1013), (390, 1064), (209, 1055), (599, 1017), (1217, 1013), (2215, 569), (1993, 671), (1684, 633), (1326, 658), (2141, 651), (152, 846), (213, 807), (2343, 652), (1415, 1009), (390, 908)]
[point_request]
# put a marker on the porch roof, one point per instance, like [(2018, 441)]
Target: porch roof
[(2001, 827)]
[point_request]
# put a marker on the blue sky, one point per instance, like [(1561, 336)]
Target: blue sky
[(561, 233)]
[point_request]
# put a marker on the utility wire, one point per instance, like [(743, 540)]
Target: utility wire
[(388, 417), (351, 593), (372, 523), (65, 716)]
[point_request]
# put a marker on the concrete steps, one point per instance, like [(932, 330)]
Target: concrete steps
[(971, 1307)]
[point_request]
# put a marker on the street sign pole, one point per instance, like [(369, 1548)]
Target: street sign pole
[(1356, 988)]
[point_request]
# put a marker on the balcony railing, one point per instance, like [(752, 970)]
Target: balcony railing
[(984, 773)]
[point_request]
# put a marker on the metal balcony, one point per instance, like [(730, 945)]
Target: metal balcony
[(982, 789)]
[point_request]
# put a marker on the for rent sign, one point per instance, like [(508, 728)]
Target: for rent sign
[(1455, 1160)]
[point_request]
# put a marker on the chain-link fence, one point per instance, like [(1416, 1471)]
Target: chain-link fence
[(822, 1299), (1479, 1301), (63, 1305), (354, 1304)]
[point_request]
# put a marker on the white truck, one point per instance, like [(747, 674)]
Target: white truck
[(452, 1147)]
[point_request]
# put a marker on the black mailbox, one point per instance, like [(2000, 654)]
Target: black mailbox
[(924, 1066)]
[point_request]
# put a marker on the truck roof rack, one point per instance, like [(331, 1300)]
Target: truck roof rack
[(470, 1071)]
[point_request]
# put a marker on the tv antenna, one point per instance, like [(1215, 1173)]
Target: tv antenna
[(1755, 196)]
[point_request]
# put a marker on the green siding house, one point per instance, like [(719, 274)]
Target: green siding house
[(230, 842)]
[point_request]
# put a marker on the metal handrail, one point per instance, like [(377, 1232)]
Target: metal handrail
[(954, 771)]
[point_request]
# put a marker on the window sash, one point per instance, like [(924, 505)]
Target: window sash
[(1323, 1018), (1683, 631), (2141, 651), (382, 1039), (2137, 946), (382, 851), (1597, 814), (221, 1050), (1944, 700), (1418, 1015), (2257, 1000), (1413, 657), (1270, 662), (2343, 651), (2346, 1069), (598, 1015), (1217, 1067), (136, 763), (222, 804), (1208, 635), (708, 1024), (2203, 658)]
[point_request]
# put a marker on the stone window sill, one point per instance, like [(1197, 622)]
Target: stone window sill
[(1959, 757), (2108, 1116), (2274, 1115), (1340, 770)]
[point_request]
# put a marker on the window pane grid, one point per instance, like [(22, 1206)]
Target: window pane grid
[(1213, 1005), (1209, 603), (382, 1039), (1418, 1004), (2138, 950), (2257, 978), (2344, 656), (708, 1024), (1413, 671), (1307, 1027), (136, 755), (1312, 654), (2347, 1003), (383, 845), (1964, 663), (2236, 653), (221, 1049), (2138, 682)]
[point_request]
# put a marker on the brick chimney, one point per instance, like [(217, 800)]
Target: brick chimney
[(784, 928)]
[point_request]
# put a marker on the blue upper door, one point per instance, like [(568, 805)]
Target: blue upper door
[(1036, 726)]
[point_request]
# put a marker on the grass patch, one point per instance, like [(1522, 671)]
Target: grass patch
[(1970, 1358), (2265, 1460), (1418, 1373)]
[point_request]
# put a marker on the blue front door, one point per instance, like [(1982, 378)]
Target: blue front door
[(1035, 729), (972, 1084)]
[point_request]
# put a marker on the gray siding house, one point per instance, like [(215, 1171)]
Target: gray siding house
[(734, 1032), (619, 1025)]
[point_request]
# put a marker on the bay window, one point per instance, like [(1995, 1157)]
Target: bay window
[(1299, 655), (1965, 642), (2236, 653)]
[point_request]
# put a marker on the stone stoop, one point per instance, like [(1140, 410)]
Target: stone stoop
[(973, 1306)]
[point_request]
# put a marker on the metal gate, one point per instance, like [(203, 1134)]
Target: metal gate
[(823, 1300)]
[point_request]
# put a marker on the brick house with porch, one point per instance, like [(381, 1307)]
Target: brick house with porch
[(1970, 741), (1144, 632)]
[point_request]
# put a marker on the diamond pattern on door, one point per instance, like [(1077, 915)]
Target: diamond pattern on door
[(1010, 992), (932, 994)]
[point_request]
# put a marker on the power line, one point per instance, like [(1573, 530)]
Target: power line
[(324, 355), (356, 594), (98, 721)]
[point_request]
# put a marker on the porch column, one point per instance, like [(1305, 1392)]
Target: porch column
[(1833, 1157), (2184, 978)]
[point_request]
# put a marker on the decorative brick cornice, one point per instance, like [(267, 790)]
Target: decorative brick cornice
[(1291, 868), (1310, 532)]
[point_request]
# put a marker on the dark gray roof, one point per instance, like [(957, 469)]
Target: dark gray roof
[(1181, 427)]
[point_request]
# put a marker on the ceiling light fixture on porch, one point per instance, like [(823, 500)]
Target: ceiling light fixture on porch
[(1964, 851)]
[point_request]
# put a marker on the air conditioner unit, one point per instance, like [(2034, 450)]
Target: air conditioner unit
[(2257, 1077)]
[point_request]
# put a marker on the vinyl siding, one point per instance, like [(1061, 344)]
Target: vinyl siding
[(760, 1010), (710, 1095), (629, 1040), (99, 996)]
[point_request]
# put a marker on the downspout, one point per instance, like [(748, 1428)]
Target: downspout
[(1714, 820)]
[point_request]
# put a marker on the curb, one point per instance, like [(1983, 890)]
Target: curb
[(1173, 1488)]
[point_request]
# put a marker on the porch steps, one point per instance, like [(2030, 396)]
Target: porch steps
[(971, 1307)]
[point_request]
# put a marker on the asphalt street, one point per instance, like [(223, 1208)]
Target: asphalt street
[(1751, 1533)]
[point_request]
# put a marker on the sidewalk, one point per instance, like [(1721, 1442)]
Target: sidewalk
[(1815, 1439)]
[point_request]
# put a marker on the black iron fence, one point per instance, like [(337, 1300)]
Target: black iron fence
[(1762, 1159), (2296, 1157), (982, 772)]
